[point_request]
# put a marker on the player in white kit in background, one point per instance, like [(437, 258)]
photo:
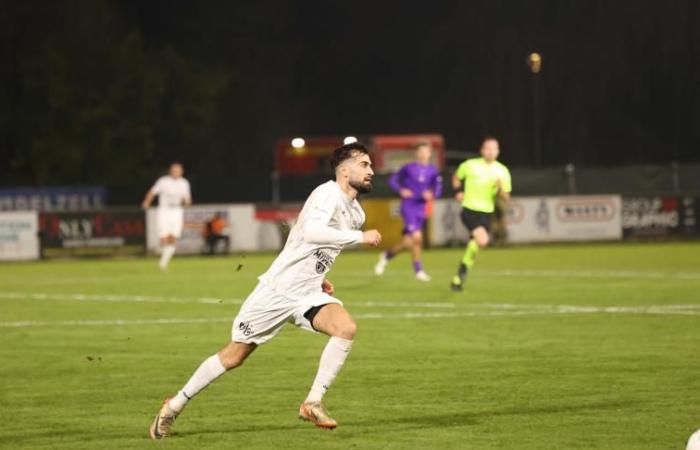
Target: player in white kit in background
[(173, 192), (294, 289)]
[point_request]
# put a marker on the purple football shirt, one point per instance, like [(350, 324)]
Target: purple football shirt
[(418, 178)]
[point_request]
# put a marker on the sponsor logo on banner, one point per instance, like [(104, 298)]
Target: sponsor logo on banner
[(52, 198), (659, 216), (516, 212), (586, 209), (19, 236), (540, 219), (97, 233)]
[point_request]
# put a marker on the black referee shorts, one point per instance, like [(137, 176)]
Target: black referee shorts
[(475, 219)]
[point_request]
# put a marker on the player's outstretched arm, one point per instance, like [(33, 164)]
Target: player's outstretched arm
[(318, 232), (456, 182), (148, 199), (372, 237), (457, 186), (396, 183), (437, 185), (503, 189), (188, 196)]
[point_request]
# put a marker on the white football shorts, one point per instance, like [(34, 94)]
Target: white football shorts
[(170, 222), (265, 312)]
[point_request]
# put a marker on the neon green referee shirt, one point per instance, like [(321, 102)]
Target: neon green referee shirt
[(479, 179)]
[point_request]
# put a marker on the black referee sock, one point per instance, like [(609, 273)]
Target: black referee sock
[(462, 272)]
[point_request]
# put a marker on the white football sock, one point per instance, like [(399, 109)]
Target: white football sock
[(208, 371), (166, 254), (332, 359)]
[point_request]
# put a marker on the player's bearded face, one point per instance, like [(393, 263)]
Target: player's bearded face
[(361, 174)]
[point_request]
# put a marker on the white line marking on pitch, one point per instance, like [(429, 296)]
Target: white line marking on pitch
[(203, 300), (595, 274), (517, 310), (553, 273), (115, 298)]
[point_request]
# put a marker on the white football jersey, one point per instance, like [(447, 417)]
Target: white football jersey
[(328, 221), (171, 192)]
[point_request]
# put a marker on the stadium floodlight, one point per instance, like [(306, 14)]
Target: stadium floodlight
[(298, 142), (349, 140), (534, 60)]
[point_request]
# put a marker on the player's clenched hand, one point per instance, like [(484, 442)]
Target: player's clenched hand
[(371, 237), (427, 195), (327, 287), (459, 196), (406, 193)]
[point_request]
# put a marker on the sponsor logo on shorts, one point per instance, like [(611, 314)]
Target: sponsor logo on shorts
[(245, 328), (325, 261)]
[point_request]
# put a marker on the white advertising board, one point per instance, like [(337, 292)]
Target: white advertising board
[(558, 219), (540, 219), (247, 234), (19, 236)]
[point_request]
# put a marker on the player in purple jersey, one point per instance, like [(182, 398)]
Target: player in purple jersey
[(418, 183)]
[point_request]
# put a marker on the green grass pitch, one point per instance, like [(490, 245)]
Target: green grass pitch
[(556, 347)]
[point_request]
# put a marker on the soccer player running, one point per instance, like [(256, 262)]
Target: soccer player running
[(482, 180), (294, 289), (173, 192), (418, 183)]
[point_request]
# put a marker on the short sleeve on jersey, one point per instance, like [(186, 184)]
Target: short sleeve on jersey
[(506, 183), (158, 186), (462, 170)]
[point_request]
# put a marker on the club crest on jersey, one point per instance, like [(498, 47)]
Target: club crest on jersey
[(325, 261)]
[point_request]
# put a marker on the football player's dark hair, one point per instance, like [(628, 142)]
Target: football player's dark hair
[(347, 151), (488, 137)]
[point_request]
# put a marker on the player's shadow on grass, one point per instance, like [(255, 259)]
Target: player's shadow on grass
[(472, 418), (426, 421)]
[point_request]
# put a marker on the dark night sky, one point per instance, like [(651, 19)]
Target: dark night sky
[(620, 81), (616, 74)]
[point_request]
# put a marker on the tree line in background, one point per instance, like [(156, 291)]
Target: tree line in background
[(86, 100), (108, 92)]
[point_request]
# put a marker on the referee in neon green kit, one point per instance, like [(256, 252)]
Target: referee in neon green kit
[(478, 182)]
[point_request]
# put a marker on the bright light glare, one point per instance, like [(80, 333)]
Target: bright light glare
[(298, 142), (349, 140)]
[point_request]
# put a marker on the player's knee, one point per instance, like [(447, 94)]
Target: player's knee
[(347, 330), (231, 361), (482, 241), (230, 358)]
